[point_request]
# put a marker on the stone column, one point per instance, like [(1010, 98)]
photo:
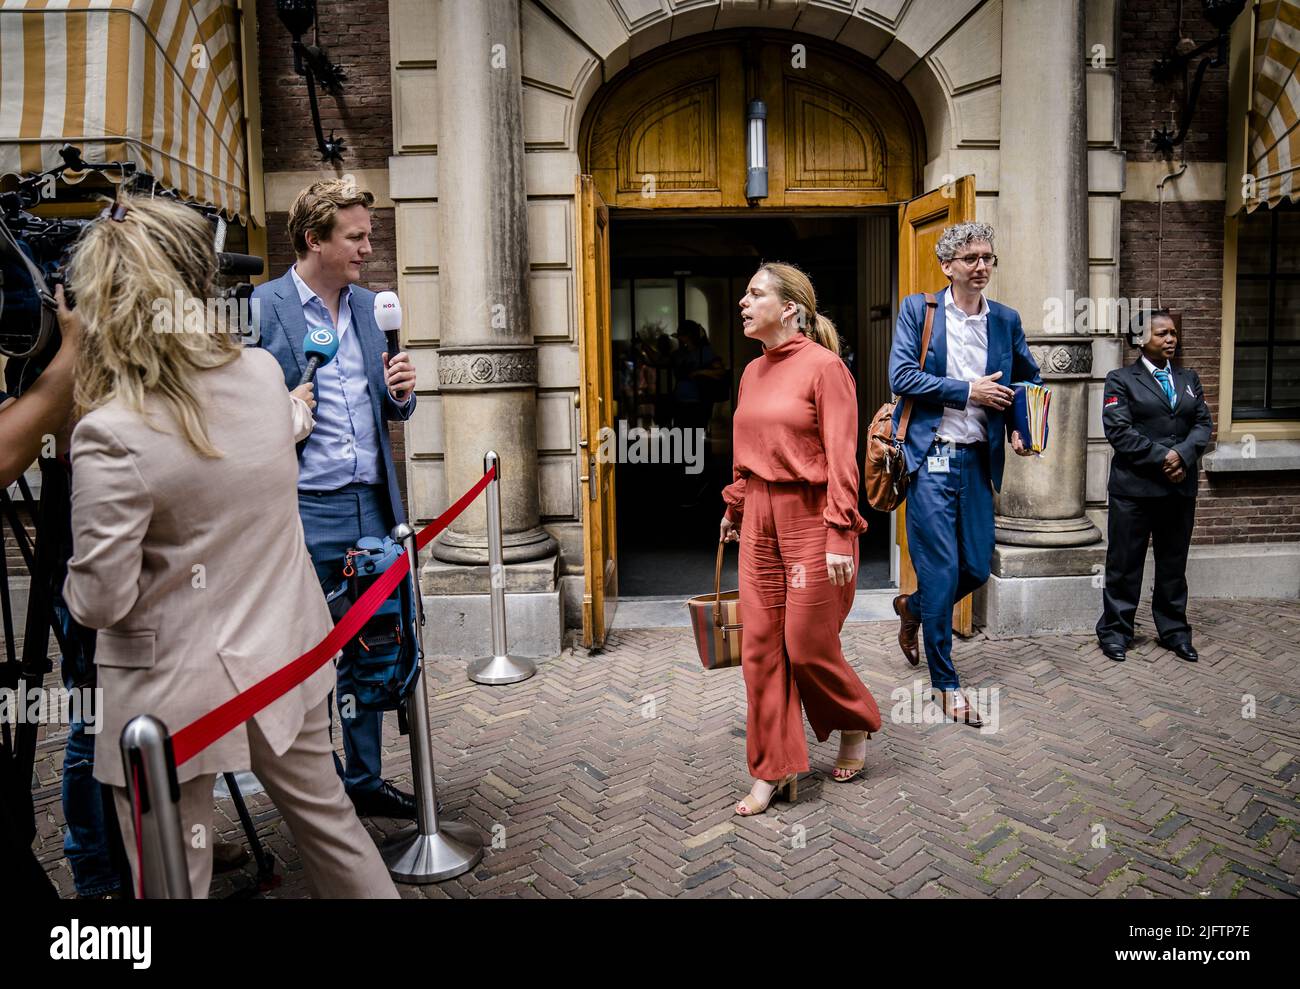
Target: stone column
[(1042, 242), (487, 362)]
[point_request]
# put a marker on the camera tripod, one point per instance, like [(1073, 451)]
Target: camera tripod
[(18, 741)]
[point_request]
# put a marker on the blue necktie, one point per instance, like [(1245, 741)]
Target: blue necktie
[(1162, 375)]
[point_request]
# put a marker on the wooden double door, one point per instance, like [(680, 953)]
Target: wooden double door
[(920, 223)]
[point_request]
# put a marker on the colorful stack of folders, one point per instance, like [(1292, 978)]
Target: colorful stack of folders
[(1029, 414)]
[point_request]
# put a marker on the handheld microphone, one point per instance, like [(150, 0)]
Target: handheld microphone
[(320, 345), (388, 314)]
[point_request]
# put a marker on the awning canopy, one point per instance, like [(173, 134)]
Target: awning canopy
[(1274, 155), (155, 82)]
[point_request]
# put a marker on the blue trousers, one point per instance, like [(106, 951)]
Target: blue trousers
[(950, 538), (332, 522), (86, 842)]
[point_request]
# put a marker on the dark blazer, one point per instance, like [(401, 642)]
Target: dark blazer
[(280, 327), (932, 391), (1143, 429)]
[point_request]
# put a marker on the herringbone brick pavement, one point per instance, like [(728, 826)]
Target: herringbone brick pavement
[(615, 774)]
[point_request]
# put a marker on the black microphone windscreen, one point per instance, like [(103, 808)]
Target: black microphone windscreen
[(240, 265)]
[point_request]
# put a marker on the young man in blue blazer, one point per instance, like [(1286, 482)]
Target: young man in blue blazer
[(347, 484), (955, 447)]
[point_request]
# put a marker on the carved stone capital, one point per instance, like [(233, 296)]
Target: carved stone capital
[(1060, 359), (485, 368)]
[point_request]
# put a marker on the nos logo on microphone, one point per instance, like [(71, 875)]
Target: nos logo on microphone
[(322, 336)]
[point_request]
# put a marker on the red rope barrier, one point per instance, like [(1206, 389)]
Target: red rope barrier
[(199, 734)]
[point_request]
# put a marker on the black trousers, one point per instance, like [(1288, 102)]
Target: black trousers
[(1166, 523)]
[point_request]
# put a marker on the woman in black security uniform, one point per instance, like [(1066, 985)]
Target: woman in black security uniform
[(1156, 418)]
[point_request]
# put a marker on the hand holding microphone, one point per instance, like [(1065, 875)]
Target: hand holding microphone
[(399, 373), (307, 393), (319, 345)]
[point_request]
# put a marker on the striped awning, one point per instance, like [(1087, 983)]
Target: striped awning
[(155, 82), (1274, 155)]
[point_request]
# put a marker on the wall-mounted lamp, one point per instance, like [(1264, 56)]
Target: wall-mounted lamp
[(756, 151), (1220, 13), (311, 62)]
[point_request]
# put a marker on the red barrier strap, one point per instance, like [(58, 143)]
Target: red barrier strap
[(139, 831), (199, 734)]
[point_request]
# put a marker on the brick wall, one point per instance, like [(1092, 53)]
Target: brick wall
[(1191, 282), (1253, 508), (355, 35), (1232, 507), (1147, 30)]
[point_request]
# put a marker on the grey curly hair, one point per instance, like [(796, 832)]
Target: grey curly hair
[(958, 236)]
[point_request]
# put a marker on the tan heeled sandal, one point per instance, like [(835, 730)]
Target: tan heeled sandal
[(790, 785), (852, 766)]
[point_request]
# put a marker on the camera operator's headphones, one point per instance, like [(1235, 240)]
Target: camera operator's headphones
[(27, 308)]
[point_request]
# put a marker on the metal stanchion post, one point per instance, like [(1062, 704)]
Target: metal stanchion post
[(146, 747), (435, 850), (500, 667)]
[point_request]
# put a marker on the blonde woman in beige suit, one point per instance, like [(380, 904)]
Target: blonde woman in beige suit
[(188, 553)]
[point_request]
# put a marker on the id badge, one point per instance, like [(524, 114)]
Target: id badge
[(938, 464)]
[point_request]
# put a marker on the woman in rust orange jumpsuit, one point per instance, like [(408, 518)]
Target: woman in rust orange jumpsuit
[(793, 505)]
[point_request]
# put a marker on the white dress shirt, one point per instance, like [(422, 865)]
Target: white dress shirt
[(968, 353), (1168, 367), (1152, 368)]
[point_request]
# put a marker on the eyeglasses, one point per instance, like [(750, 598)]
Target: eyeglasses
[(971, 260)]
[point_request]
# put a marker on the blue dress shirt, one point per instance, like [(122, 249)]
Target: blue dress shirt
[(344, 447)]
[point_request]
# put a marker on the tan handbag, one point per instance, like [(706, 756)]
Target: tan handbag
[(885, 467), (715, 618)]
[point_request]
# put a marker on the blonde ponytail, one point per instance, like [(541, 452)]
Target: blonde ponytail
[(823, 331)]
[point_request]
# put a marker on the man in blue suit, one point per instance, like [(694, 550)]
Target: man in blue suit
[(954, 445), (347, 485)]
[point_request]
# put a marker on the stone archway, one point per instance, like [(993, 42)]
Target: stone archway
[(947, 57)]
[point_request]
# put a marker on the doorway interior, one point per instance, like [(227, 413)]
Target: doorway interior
[(666, 270)]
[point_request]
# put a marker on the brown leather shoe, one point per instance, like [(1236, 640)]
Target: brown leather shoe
[(957, 708), (908, 626)]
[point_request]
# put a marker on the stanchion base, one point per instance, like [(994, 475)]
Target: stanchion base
[(501, 669), (430, 858)]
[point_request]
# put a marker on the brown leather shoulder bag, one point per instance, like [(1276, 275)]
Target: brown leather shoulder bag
[(885, 473)]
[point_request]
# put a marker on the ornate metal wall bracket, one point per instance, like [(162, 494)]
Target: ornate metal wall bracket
[(1220, 13), (313, 64)]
